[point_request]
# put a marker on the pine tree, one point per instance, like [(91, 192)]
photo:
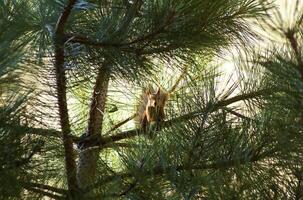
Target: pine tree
[(71, 74)]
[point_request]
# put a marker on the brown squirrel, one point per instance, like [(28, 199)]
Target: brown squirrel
[(151, 108)]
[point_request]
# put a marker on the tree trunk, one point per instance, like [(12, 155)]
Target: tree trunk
[(70, 162), (88, 157)]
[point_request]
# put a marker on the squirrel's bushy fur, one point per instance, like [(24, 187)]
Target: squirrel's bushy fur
[(151, 107)]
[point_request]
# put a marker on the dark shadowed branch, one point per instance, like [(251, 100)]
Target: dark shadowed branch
[(61, 82), (189, 116), (216, 165)]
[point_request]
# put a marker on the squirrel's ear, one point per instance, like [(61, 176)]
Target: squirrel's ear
[(149, 89), (158, 92)]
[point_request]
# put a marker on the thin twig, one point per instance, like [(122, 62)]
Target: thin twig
[(121, 123)]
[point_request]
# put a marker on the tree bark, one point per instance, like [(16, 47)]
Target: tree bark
[(290, 35), (70, 163), (88, 157)]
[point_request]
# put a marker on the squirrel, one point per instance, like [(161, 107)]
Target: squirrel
[(150, 110)]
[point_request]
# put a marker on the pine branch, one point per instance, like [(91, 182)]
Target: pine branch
[(299, 188), (126, 46), (64, 16), (189, 116), (105, 141), (44, 187), (130, 187), (98, 101), (73, 38), (131, 13), (44, 193), (61, 82), (159, 170), (19, 163), (156, 50), (153, 34), (42, 132), (148, 37), (290, 35), (238, 114), (118, 144), (36, 131), (121, 123), (88, 157), (181, 77), (121, 46)]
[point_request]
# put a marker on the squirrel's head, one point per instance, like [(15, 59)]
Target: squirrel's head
[(152, 105), (153, 98)]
